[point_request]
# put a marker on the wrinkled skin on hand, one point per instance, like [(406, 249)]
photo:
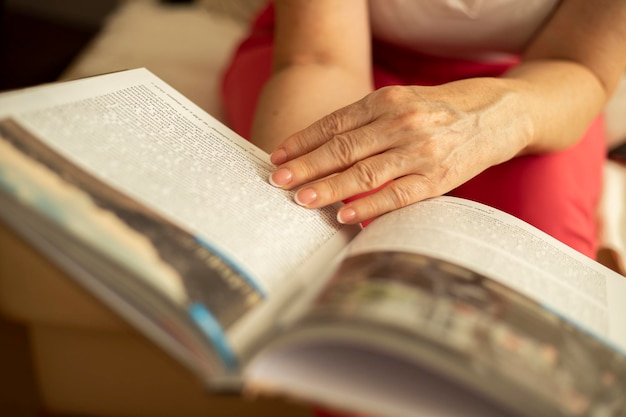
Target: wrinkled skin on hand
[(419, 142)]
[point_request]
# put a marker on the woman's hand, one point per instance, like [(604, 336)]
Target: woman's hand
[(418, 142)]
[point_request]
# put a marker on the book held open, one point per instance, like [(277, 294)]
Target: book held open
[(446, 307)]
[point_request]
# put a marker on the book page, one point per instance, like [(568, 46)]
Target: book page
[(132, 131), (449, 295), (510, 251), (166, 214)]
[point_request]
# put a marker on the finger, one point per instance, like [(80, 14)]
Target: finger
[(340, 121), (363, 176), (335, 156), (394, 195)]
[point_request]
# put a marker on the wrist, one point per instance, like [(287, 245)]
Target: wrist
[(561, 99)]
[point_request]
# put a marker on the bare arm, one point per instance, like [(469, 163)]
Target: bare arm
[(570, 70), (321, 63), (425, 141)]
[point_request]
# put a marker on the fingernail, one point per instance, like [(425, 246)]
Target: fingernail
[(280, 177), (305, 197), (278, 156), (346, 215)]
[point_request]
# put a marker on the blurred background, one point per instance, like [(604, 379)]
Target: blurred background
[(38, 38), (47, 320)]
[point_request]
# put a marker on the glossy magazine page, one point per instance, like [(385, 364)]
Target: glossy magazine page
[(149, 264), (432, 300)]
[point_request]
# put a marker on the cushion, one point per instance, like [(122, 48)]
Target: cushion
[(185, 45)]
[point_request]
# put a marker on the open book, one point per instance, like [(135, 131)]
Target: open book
[(442, 308)]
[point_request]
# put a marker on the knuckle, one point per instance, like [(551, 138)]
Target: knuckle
[(305, 169), (400, 160), (391, 94), (331, 124), (433, 149), (408, 114), (333, 190), (367, 174), (403, 195), (342, 149), (411, 120)]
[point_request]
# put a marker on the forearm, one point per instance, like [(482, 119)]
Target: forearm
[(570, 70), (298, 95), (322, 62), (559, 99)]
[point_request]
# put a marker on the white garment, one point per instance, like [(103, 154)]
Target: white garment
[(462, 28)]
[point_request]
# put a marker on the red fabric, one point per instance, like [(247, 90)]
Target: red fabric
[(557, 192)]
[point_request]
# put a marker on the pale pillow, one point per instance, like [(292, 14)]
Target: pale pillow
[(612, 213), (241, 10), (185, 45), (616, 116)]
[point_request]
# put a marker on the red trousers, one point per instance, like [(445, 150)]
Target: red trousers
[(557, 192)]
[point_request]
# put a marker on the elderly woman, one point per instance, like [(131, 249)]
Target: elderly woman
[(383, 103)]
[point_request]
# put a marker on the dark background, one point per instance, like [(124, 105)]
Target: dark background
[(39, 38)]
